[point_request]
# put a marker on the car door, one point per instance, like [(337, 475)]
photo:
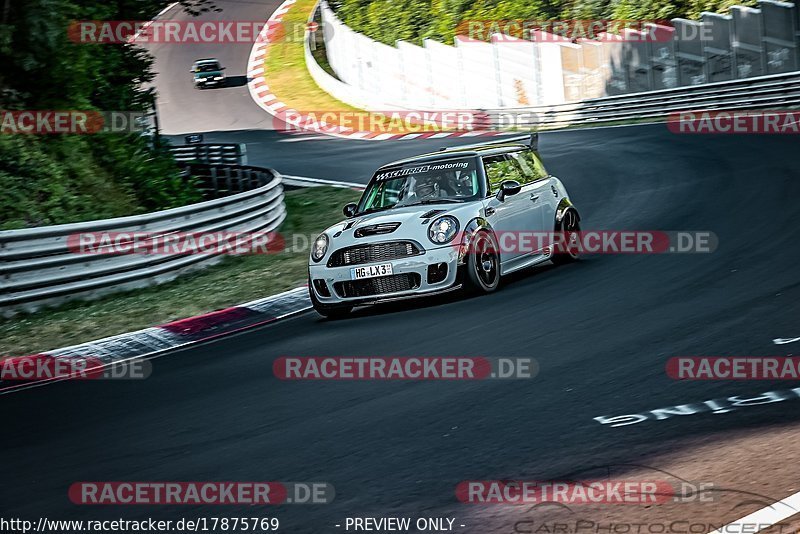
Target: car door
[(537, 189), (511, 216), (543, 187)]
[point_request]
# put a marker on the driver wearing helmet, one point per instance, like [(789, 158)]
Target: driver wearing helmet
[(462, 184), (431, 187)]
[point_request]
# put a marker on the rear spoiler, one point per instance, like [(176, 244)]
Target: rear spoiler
[(532, 141)]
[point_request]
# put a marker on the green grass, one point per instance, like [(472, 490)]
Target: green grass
[(286, 73), (234, 281)]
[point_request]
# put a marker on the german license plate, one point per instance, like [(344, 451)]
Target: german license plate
[(370, 271)]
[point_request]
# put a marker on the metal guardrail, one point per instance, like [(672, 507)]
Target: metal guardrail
[(219, 154), (778, 91), (39, 268)]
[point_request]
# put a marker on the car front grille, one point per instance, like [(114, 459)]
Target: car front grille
[(377, 286), (375, 252)]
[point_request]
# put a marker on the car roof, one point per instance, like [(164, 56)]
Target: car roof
[(456, 152), (207, 60)]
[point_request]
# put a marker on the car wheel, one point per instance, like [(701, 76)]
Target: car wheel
[(570, 226), (328, 310), (483, 263)]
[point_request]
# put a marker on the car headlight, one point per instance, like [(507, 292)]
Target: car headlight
[(443, 229), (217, 77), (320, 248)]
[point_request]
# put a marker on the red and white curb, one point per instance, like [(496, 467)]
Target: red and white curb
[(156, 341), (271, 103)]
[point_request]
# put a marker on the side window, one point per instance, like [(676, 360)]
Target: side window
[(499, 169), (531, 165)]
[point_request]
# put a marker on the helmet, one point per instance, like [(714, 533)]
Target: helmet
[(426, 186)]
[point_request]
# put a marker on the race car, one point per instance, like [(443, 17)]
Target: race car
[(208, 72), (442, 221)]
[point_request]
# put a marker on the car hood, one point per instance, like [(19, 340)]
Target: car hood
[(411, 220)]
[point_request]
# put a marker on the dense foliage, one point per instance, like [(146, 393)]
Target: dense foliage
[(413, 20), (50, 179)]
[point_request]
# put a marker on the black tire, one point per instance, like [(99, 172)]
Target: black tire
[(483, 264), (570, 224), (328, 310)]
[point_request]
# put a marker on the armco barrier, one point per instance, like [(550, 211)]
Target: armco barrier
[(776, 92), (38, 269)]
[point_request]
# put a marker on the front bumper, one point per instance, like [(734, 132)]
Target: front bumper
[(333, 278)]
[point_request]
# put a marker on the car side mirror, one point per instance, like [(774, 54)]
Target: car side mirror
[(509, 187), (223, 68), (350, 209)]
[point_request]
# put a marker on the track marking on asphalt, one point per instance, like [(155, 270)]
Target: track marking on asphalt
[(306, 181), (306, 138), (785, 341), (764, 518)]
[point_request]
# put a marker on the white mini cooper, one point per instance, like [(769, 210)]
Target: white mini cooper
[(439, 222)]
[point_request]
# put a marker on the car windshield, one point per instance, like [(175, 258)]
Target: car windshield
[(207, 67), (443, 182)]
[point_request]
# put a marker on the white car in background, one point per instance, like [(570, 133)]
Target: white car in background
[(431, 224)]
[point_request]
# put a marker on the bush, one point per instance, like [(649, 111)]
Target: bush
[(52, 179), (388, 21)]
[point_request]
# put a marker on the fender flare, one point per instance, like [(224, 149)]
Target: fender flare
[(563, 206), (470, 229)]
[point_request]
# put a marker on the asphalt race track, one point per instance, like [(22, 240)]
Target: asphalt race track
[(601, 330), (184, 109)]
